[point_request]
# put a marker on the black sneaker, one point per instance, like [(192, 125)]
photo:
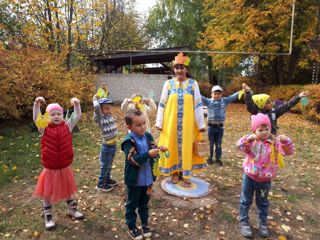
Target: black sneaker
[(219, 162), (112, 183), (106, 188), (135, 233), (209, 161), (146, 231)]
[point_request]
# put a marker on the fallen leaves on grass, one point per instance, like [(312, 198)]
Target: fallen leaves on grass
[(285, 228)]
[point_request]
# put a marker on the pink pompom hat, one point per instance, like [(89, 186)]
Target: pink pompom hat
[(259, 119), (54, 106)]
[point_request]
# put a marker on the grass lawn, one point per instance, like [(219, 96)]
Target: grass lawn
[(294, 211)]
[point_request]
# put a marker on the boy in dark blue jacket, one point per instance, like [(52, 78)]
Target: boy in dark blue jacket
[(140, 151)]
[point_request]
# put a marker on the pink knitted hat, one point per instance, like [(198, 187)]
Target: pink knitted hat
[(54, 106), (259, 119)]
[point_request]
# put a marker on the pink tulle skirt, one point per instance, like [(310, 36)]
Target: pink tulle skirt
[(55, 185)]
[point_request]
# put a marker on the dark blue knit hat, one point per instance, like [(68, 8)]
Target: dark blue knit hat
[(105, 101)]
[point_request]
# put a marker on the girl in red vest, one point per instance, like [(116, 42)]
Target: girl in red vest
[(56, 181)]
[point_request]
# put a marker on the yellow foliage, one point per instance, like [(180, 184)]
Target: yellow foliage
[(28, 73), (255, 26), (284, 93)]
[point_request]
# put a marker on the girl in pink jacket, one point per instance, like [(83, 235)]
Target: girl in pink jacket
[(264, 155)]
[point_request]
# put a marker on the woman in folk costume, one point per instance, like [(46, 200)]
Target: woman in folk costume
[(180, 120)]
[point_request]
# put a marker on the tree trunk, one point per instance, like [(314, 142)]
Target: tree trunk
[(210, 71), (50, 27), (59, 38), (296, 51), (104, 29), (69, 21), (273, 64), (280, 69), (258, 72)]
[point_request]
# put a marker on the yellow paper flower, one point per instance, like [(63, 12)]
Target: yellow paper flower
[(42, 120), (102, 93), (260, 100), (137, 101), (273, 154), (156, 169), (241, 92)]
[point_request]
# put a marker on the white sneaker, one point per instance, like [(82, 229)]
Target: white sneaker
[(73, 212), (76, 215), (48, 221)]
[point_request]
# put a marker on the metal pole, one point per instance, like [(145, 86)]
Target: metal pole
[(130, 64)]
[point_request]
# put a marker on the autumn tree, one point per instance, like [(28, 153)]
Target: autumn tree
[(70, 26), (174, 23), (110, 25), (11, 24), (177, 23), (260, 26)]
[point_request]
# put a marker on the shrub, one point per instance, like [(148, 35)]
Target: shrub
[(312, 110), (285, 93), (236, 85), (28, 73), (205, 89)]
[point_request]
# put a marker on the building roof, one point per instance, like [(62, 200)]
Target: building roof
[(159, 55)]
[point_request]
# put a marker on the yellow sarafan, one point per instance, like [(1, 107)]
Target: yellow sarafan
[(42, 120), (169, 138)]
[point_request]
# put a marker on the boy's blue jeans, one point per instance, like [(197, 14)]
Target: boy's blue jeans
[(249, 186), (215, 135), (106, 158)]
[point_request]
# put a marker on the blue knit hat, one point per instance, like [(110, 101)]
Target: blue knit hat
[(105, 101)]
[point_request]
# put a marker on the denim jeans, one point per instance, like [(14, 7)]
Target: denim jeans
[(249, 186), (215, 135), (106, 158)]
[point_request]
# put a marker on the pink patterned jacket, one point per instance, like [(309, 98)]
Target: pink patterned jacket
[(263, 157)]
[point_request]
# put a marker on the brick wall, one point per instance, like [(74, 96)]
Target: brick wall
[(124, 85)]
